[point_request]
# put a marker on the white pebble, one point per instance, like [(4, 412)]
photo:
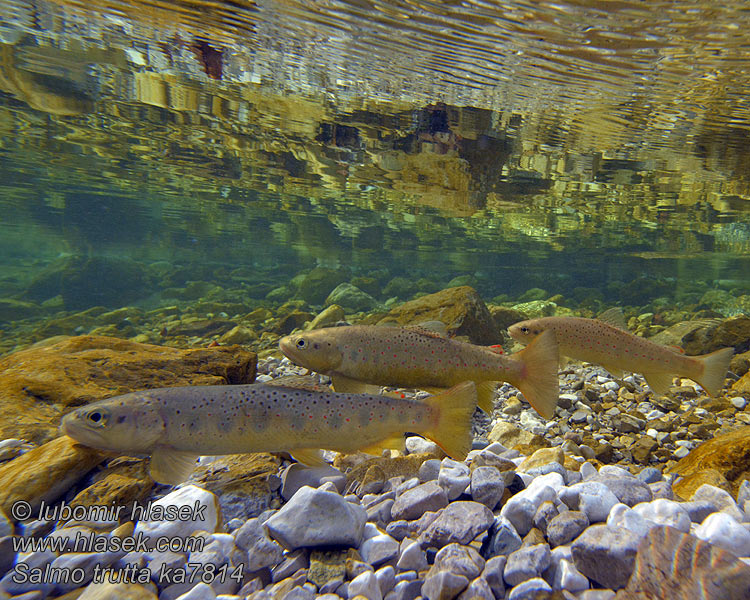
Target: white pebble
[(722, 530), (567, 577), (739, 402), (665, 512), (622, 516)]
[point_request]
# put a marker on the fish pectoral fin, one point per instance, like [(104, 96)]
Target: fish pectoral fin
[(616, 372), (346, 385), (312, 457), (486, 395), (614, 317), (658, 382), (395, 442), (171, 466)]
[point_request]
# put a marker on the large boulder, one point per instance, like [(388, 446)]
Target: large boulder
[(727, 455), (460, 308), (40, 384), (672, 564)]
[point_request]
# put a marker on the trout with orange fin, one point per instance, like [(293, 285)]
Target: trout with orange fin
[(605, 341), (412, 357), (176, 425)]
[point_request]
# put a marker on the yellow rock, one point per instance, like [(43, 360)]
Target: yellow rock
[(123, 482), (723, 461), (45, 473), (121, 591), (511, 436), (542, 457)]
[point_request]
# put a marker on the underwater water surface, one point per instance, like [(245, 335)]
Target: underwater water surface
[(154, 154)]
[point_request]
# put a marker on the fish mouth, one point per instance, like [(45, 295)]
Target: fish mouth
[(73, 428), (287, 347)]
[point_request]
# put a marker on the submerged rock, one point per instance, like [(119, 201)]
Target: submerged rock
[(41, 382), (45, 473), (728, 455), (675, 565), (460, 308)]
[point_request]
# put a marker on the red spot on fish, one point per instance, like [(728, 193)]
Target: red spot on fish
[(347, 420)]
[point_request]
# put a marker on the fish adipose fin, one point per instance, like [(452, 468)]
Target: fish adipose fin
[(659, 382), (311, 457), (171, 466), (346, 385), (715, 367), (452, 430), (538, 383), (614, 317)]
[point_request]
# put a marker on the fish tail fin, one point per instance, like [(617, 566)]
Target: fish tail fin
[(452, 427), (714, 369), (538, 380)]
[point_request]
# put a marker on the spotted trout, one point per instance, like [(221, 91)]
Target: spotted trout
[(412, 357), (605, 341), (176, 425)]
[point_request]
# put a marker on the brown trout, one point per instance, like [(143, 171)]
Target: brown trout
[(176, 425), (605, 341), (413, 357)]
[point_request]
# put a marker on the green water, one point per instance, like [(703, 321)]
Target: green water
[(598, 153)]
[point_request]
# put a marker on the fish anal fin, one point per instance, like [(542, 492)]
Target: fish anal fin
[(616, 372), (539, 383), (171, 466), (452, 428), (311, 457), (614, 317), (395, 442), (347, 385), (486, 395), (659, 382)]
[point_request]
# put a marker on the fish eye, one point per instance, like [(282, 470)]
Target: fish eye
[(524, 330), (301, 343), (97, 417)]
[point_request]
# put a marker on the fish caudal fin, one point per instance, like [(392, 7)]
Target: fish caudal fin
[(715, 367), (538, 381), (452, 430)]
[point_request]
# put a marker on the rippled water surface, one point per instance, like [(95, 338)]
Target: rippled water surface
[(582, 147)]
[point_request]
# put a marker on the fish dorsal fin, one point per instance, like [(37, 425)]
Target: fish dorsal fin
[(434, 326), (299, 382), (311, 457), (395, 442), (346, 385), (171, 466), (613, 316), (425, 331), (658, 382)]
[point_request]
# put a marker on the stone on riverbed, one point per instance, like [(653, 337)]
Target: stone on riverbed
[(314, 518)]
